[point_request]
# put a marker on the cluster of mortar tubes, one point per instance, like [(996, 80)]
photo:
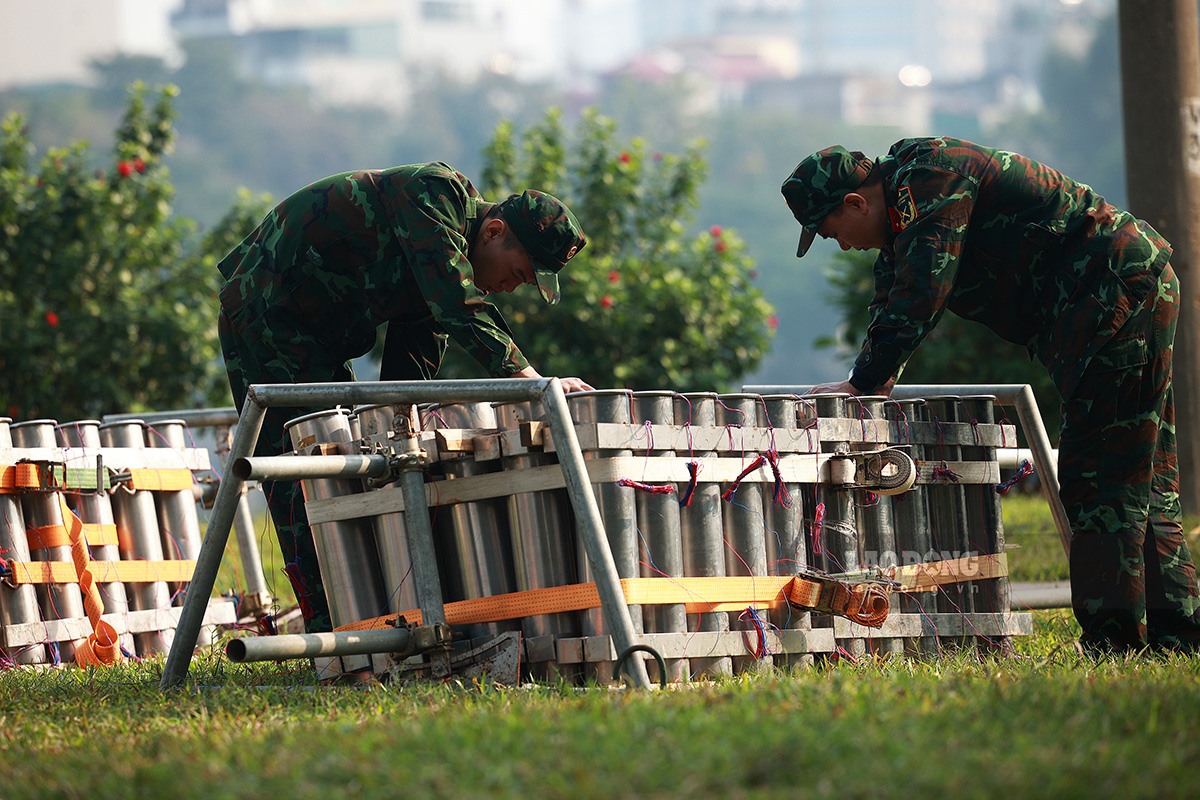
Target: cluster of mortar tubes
[(526, 540), (151, 526)]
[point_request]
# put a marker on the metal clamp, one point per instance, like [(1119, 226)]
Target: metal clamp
[(397, 465)]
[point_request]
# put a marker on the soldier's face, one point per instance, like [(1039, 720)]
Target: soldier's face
[(856, 225), (499, 267)]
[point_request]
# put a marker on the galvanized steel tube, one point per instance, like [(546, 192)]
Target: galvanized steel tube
[(378, 424), (318, 645), (875, 521), (137, 522), (985, 518), (543, 545), (700, 526), (41, 509), (18, 603), (911, 514), (948, 507), (177, 519), (95, 507), (473, 538), (743, 517), (294, 467), (837, 535), (346, 550), (658, 521)]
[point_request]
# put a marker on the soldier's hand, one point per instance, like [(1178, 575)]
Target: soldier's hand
[(568, 384), (838, 387), (575, 385)]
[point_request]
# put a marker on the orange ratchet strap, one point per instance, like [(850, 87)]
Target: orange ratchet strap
[(100, 648)]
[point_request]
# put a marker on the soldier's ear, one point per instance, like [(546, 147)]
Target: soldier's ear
[(856, 201), (493, 228)]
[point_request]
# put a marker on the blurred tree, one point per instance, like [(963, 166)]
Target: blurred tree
[(645, 305), (102, 290)]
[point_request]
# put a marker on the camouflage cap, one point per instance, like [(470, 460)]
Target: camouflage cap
[(818, 184), (548, 231)]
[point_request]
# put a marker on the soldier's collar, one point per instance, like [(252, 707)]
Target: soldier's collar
[(476, 212), (887, 169)]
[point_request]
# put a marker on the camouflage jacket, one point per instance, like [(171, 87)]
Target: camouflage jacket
[(351, 251), (1005, 241)]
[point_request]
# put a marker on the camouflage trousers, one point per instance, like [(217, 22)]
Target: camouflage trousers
[(1133, 583), (411, 352)]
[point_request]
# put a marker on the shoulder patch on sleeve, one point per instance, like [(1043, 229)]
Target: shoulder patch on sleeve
[(904, 213)]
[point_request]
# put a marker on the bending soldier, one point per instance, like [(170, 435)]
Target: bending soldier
[(414, 247), (1047, 263)]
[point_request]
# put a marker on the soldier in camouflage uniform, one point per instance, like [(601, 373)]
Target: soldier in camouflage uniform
[(1044, 262), (415, 247)]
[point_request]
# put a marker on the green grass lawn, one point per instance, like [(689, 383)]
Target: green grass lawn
[(1040, 722)]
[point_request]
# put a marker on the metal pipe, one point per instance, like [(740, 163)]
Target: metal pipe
[(419, 532), (140, 536), (208, 562), (378, 423), (258, 597), (543, 549), (315, 645), (700, 525), (1051, 594), (345, 549), (306, 395), (18, 604), (193, 418), (591, 528), (1011, 457), (472, 539), (658, 519), (59, 600), (96, 507), (275, 468)]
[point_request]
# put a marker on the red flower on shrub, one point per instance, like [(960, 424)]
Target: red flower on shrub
[(606, 302), (125, 168), (772, 322), (719, 246), (614, 276), (139, 164), (52, 319), (626, 158), (715, 231)]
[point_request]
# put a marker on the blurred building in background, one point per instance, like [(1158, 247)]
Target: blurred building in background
[(53, 41), (912, 65)]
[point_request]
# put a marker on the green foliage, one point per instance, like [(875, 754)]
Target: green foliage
[(645, 304), (955, 352), (103, 292)]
